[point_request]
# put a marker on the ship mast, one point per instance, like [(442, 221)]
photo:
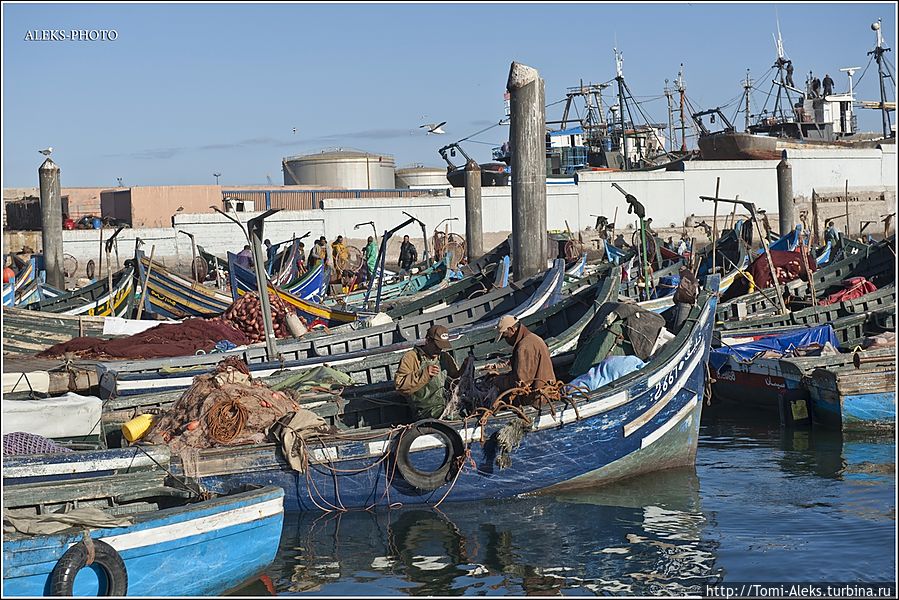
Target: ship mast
[(878, 52), (747, 85), (681, 88), (670, 115), (619, 77)]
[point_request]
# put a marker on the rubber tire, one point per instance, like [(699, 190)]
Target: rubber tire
[(62, 578), (428, 481)]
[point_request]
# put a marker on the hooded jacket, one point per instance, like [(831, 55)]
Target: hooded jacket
[(531, 363)]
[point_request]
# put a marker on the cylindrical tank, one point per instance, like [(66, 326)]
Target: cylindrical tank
[(419, 177), (349, 169)]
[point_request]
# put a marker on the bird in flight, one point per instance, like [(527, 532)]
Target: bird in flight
[(46, 151), (434, 128)]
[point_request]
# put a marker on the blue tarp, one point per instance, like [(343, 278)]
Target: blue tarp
[(607, 370), (783, 343)]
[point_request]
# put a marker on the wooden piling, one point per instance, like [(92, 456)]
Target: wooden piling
[(785, 207), (51, 223), (528, 139), (474, 229)]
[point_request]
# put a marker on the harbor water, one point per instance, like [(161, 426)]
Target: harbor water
[(763, 504)]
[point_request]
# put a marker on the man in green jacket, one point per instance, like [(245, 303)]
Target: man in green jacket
[(370, 256), (421, 376)]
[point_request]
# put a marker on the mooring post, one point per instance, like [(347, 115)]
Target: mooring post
[(474, 230), (785, 207), (254, 230), (527, 137), (51, 223)]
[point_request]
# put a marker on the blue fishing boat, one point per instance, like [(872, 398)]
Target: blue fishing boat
[(313, 285), (143, 537), (97, 299), (9, 292), (859, 392), (643, 422)]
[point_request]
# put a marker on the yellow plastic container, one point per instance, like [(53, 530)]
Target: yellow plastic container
[(137, 427)]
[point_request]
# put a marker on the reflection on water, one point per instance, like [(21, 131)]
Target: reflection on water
[(641, 536), (763, 504)]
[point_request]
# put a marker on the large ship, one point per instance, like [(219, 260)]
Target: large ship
[(809, 118)]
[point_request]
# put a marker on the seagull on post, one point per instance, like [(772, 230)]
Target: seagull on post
[(46, 151), (434, 128)]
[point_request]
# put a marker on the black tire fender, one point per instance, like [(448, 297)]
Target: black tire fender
[(429, 480), (62, 578)]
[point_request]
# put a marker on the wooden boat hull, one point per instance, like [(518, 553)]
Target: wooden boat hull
[(427, 279), (826, 389), (872, 302), (174, 297), (847, 397), (863, 261), (356, 351), (95, 299), (199, 549), (27, 332)]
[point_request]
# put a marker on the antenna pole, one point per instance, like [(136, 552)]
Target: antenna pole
[(683, 127)]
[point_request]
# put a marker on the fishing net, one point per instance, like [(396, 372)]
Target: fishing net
[(166, 340), (19, 443)]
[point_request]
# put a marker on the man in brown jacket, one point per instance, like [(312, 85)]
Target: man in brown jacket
[(531, 363), (421, 376)]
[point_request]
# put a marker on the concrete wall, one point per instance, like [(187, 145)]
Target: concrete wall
[(668, 196), (153, 206)]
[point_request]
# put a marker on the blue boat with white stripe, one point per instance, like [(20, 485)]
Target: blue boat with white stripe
[(155, 541)]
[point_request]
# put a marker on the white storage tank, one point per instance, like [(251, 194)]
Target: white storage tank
[(421, 177), (350, 169)]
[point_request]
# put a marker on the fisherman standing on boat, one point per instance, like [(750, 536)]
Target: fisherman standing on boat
[(370, 258), (790, 73), (269, 251), (531, 364), (245, 257), (408, 254), (301, 259), (816, 87), (338, 249), (828, 85), (422, 374)]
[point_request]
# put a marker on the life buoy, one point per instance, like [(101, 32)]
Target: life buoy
[(454, 449), (62, 578)]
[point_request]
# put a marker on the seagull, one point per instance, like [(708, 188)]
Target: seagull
[(48, 151), (294, 130), (434, 128)]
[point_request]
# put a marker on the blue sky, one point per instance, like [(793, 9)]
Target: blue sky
[(187, 90)]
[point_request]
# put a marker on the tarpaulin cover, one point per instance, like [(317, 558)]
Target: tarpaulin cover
[(788, 266), (607, 371), (162, 341), (783, 344), (854, 287)]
